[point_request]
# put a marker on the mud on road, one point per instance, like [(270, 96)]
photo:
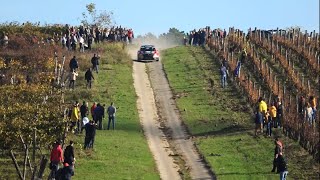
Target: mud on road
[(162, 125)]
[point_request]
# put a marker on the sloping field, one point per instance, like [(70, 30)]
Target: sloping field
[(221, 122)]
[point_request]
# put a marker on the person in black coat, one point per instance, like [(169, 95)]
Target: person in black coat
[(95, 62), (282, 167), (65, 173), (90, 134), (73, 64), (69, 154), (89, 76), (99, 115)]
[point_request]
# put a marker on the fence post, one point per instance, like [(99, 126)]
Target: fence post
[(25, 162), (232, 56), (318, 61), (317, 40), (16, 164), (297, 104), (290, 100), (269, 72), (34, 142), (55, 65), (284, 93), (28, 158), (298, 39)]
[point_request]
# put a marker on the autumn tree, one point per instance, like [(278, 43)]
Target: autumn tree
[(93, 18)]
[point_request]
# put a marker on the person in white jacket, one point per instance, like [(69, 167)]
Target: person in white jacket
[(73, 77), (81, 43)]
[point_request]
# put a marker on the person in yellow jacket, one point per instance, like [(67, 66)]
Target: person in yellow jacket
[(74, 116), (263, 107), (273, 115)]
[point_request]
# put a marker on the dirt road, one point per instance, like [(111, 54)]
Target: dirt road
[(149, 120), (157, 102)]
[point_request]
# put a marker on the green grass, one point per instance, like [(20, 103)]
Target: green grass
[(222, 123), (123, 153), (119, 154)]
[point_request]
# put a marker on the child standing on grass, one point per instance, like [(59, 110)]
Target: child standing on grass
[(258, 122), (273, 115), (268, 123), (224, 73), (73, 77)]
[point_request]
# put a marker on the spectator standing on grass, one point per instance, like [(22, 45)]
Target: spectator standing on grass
[(74, 117), (258, 122), (81, 44), (273, 115), (278, 150), (90, 134), (64, 41), (55, 158), (90, 40), (223, 73), (280, 112), (95, 62), (130, 36), (68, 42), (69, 154), (94, 105), (73, 64), (237, 69), (73, 77), (191, 36), (74, 42), (87, 135), (111, 115), (84, 111), (282, 167), (268, 123), (99, 115), (262, 108), (88, 77), (313, 105), (5, 39), (309, 113)]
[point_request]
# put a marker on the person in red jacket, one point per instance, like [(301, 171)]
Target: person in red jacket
[(56, 157), (94, 105)]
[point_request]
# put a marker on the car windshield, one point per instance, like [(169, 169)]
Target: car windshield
[(147, 49)]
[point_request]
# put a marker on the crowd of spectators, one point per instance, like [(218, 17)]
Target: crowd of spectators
[(85, 36), (81, 37), (201, 37)]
